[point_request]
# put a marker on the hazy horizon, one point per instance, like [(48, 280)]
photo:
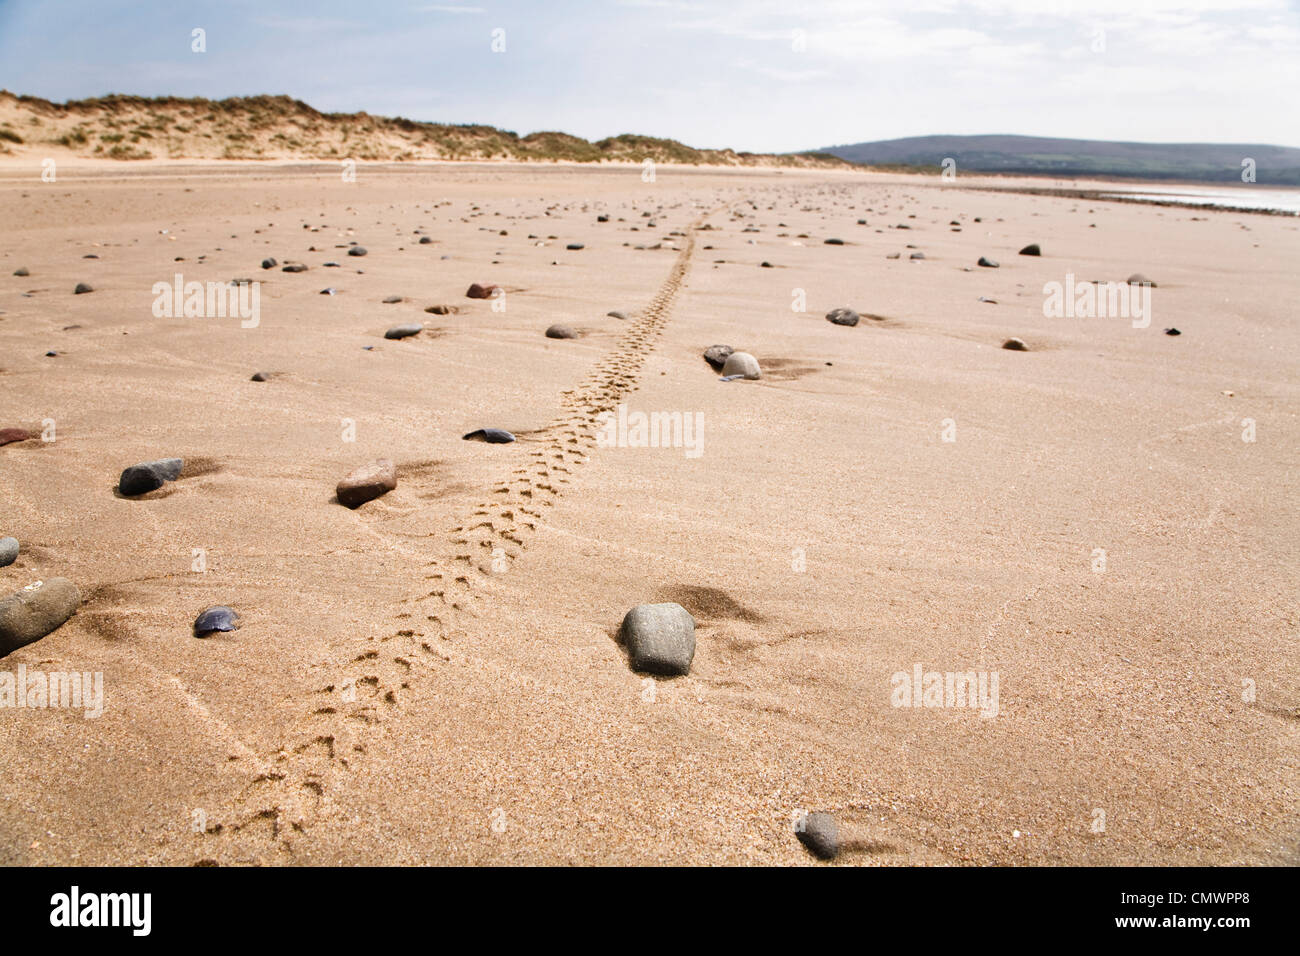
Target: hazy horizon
[(750, 77)]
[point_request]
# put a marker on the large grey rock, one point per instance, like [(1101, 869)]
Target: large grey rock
[(717, 355), (741, 363), (149, 476), (367, 483), (35, 611), (660, 638), (842, 317), (820, 834), (8, 551), (216, 618), (404, 331)]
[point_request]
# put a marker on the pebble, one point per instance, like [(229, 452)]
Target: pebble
[(1172, 331), (894, 255), (217, 618), (366, 483), (660, 638), (1138, 278), (493, 436), (149, 476), (987, 263), (425, 240), (575, 246), (833, 242), (404, 331), (8, 435), (561, 332), (441, 309), (615, 314), (1015, 345), (294, 267), (716, 355), (741, 363), (916, 255), (21, 271), (35, 611), (842, 316), (1031, 250), (269, 263), (392, 299), (330, 290), (765, 265), (357, 251), (8, 551), (479, 291), (261, 377), (821, 835), (82, 288)]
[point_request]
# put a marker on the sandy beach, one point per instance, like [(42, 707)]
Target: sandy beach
[(1105, 524)]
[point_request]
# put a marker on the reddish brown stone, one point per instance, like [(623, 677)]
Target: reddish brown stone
[(477, 291), (8, 435), (367, 483)]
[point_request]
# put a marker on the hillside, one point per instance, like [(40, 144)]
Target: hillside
[(281, 128), (1034, 155)]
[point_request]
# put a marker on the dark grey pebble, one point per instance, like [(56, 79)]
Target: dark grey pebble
[(1015, 345), (575, 246), (820, 834), (561, 332), (833, 242), (391, 299), (357, 251), (218, 618), (842, 316), (660, 638), (294, 267), (82, 288), (493, 436), (765, 265), (615, 314), (987, 263), (149, 476), (917, 255), (1031, 250), (269, 263), (329, 291), (404, 331), (1172, 331), (425, 240), (716, 355), (8, 551), (21, 271)]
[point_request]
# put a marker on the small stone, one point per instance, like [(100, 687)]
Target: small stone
[(820, 834), (479, 291), (294, 267), (833, 242), (217, 618), (425, 240), (82, 288), (441, 309), (493, 436), (561, 332), (660, 638), (743, 364), (357, 251), (1031, 250), (842, 316), (1172, 331), (894, 255), (575, 246), (35, 611), (261, 377), (602, 218), (615, 314), (8, 435), (985, 298), (8, 551), (366, 483), (404, 331), (765, 265), (149, 476), (987, 263), (21, 271), (390, 300), (330, 290), (1138, 278), (917, 255), (1015, 345), (269, 263), (716, 355)]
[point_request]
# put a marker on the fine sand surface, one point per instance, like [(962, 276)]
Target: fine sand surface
[(474, 610)]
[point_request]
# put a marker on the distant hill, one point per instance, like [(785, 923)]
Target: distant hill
[(1041, 156), (282, 128)]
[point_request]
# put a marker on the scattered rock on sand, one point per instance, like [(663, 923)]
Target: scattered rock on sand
[(842, 316), (575, 246), (21, 271), (987, 263), (833, 242), (441, 309), (561, 332), (615, 314), (765, 265), (357, 251), (404, 331), (8, 551), (269, 263), (916, 255), (217, 618), (82, 288), (390, 300), (149, 476), (820, 834), (425, 240), (1015, 345), (1138, 278), (1172, 331), (1031, 250), (716, 355), (660, 638), (294, 267), (367, 483), (895, 255), (741, 363), (35, 611), (8, 435), (493, 436), (480, 291), (261, 377)]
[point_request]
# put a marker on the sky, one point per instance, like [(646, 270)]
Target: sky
[(758, 75)]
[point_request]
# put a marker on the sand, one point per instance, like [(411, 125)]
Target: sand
[(434, 677)]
